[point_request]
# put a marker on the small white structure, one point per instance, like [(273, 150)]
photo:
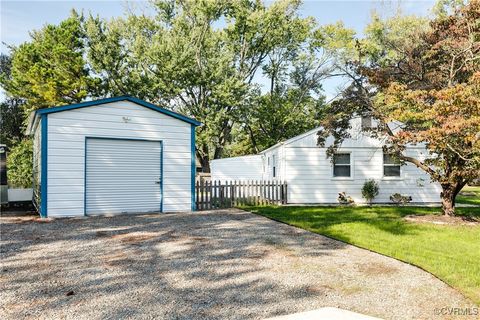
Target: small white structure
[(110, 156), (245, 168), (313, 178), (20, 194)]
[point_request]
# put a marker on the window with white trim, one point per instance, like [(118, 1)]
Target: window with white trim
[(341, 165), (391, 165)]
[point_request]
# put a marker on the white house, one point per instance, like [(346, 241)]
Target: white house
[(313, 178), (109, 156)]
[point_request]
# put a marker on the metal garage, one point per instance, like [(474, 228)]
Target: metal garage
[(112, 156)]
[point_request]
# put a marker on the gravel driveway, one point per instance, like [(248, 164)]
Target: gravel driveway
[(225, 264)]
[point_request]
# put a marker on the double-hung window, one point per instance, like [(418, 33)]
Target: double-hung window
[(341, 165), (391, 166)]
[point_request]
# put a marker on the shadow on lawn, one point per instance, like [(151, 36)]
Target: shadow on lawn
[(324, 221), (173, 266)]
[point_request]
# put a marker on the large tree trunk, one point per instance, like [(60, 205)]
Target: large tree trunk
[(202, 156), (448, 196), (205, 162), (448, 200)]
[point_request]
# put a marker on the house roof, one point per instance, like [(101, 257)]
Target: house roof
[(37, 113), (288, 141)]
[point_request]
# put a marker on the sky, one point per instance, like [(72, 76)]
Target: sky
[(19, 17)]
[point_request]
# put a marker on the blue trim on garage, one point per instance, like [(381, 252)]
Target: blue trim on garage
[(193, 169), (123, 139), (44, 168), (85, 178), (161, 176), (115, 99)]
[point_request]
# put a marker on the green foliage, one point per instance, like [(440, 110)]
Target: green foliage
[(182, 59), (443, 8), (385, 38), (370, 190), (11, 111), (11, 121), (449, 252), (421, 82), (399, 199), (50, 69), (344, 199), (20, 164), (276, 117)]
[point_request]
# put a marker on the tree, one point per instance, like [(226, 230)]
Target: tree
[(425, 91), (20, 164), (295, 101), (196, 57), (50, 70), (11, 121), (11, 111)]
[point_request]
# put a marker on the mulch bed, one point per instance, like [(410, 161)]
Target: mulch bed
[(444, 220)]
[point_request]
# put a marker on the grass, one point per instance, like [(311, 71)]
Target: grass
[(469, 195), (450, 252)]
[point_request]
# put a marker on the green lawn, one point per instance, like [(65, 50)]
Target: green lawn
[(451, 253), (469, 195)]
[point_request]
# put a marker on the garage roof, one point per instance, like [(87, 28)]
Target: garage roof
[(37, 113)]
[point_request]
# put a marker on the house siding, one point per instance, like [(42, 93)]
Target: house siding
[(68, 130), (310, 177), (304, 166), (279, 155), (246, 168)]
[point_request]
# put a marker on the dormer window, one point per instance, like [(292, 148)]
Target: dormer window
[(366, 122)]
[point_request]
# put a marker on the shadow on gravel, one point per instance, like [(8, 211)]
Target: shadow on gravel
[(199, 265)]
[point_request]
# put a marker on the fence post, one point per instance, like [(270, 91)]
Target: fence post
[(260, 199), (239, 193), (232, 194), (257, 192), (275, 187), (208, 194), (220, 193), (214, 196), (244, 188), (196, 195), (281, 192), (269, 187), (201, 195), (250, 193)]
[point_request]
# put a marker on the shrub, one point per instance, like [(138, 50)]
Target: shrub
[(20, 164), (370, 190), (344, 199), (398, 199)]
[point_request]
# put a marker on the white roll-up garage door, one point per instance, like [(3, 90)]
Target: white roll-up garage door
[(122, 176)]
